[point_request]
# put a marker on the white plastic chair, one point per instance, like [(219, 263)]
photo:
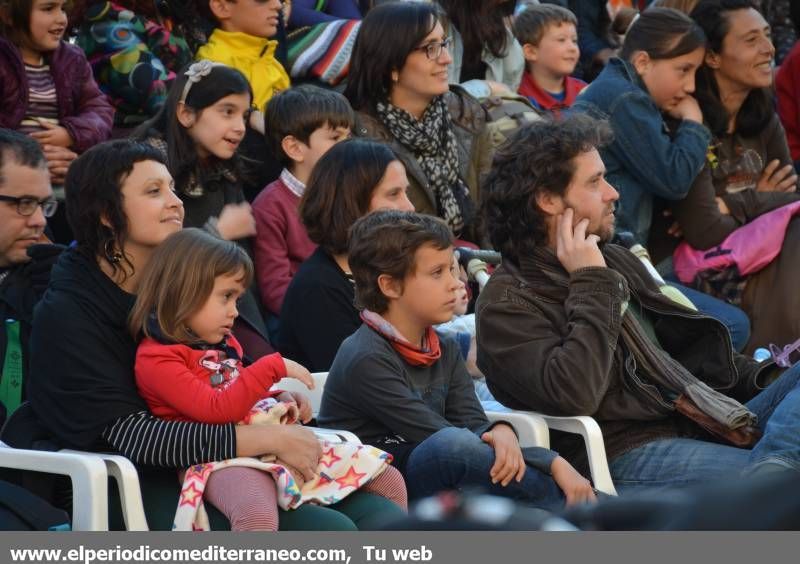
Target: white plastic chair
[(88, 475), (595, 447), (531, 427), (130, 493)]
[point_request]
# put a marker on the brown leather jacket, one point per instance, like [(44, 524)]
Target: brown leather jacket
[(559, 351), (474, 147)]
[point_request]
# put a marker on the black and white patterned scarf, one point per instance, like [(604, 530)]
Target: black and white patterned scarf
[(433, 143)]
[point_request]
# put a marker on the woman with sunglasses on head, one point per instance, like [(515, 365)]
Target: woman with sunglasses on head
[(398, 85), (748, 170)]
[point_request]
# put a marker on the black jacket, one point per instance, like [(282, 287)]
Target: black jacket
[(17, 299), (82, 354), (20, 290), (318, 313)]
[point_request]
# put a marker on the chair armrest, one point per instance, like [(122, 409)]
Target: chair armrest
[(89, 481), (530, 427), (314, 396), (595, 447), (335, 435), (127, 478)]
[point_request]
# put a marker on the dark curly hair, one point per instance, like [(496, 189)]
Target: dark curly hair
[(539, 158), (93, 190)]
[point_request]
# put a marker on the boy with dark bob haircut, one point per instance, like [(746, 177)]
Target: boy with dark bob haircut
[(301, 123), (398, 385)]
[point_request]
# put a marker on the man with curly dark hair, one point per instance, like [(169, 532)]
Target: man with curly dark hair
[(571, 324)]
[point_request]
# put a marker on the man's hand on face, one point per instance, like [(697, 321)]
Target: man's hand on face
[(574, 248)]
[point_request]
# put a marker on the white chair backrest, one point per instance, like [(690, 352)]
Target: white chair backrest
[(314, 396)]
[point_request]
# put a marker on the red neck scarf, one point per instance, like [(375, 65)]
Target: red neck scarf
[(412, 354)]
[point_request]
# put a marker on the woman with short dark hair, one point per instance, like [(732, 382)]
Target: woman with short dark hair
[(121, 205), (352, 179)]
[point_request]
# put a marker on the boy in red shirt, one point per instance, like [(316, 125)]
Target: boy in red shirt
[(301, 124), (549, 40)]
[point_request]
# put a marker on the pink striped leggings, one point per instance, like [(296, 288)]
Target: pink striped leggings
[(248, 497)]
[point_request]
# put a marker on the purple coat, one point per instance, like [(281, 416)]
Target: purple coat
[(82, 108)]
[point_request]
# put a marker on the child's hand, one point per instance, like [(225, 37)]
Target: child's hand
[(236, 222), (508, 462), (298, 372), (576, 488), (687, 109), (498, 88), (58, 161), (302, 403), (53, 135), (299, 479)]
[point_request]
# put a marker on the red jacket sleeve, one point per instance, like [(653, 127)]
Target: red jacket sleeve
[(173, 390), (273, 266)]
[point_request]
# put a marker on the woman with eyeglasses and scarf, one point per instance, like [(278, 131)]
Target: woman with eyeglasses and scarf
[(399, 87)]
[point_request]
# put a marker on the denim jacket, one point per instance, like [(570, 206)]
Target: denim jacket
[(645, 159)]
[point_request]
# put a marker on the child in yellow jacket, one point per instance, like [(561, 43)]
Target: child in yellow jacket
[(241, 40)]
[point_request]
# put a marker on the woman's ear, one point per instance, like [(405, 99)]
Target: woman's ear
[(185, 115), (395, 75), (390, 287), (712, 60), (642, 62)]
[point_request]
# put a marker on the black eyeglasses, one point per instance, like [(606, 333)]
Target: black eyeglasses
[(434, 50), (27, 206)]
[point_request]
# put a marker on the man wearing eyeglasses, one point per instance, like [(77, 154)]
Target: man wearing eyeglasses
[(26, 201)]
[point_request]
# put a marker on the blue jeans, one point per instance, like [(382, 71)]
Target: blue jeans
[(455, 458), (671, 463), (735, 319)]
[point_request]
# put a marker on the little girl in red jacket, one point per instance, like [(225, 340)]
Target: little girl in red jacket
[(46, 86), (190, 367)]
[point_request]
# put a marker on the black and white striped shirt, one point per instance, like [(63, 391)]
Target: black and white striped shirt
[(150, 441)]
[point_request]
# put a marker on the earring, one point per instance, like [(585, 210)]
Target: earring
[(112, 255)]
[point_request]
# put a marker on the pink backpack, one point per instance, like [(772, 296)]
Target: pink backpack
[(750, 248)]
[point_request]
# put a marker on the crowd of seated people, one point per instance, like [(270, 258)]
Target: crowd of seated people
[(183, 223)]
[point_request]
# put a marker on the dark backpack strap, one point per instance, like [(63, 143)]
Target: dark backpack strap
[(31, 511)]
